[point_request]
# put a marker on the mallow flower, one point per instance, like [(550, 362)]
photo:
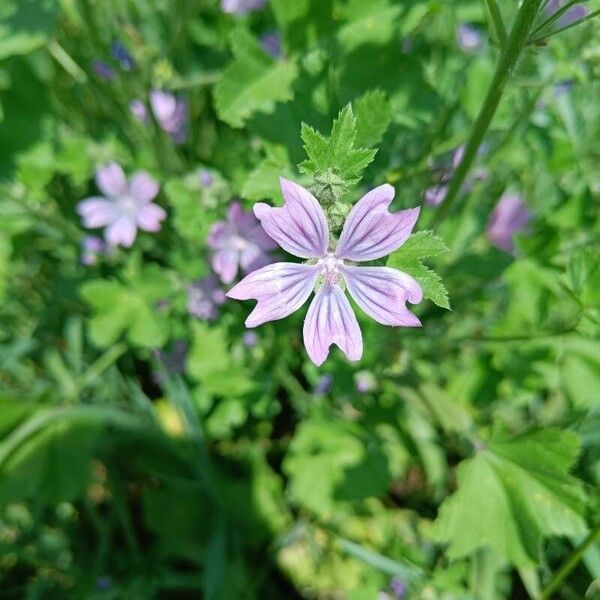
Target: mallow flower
[(239, 241), (469, 38), (510, 217), (171, 113), (370, 232), (575, 13), (203, 298), (124, 207), (241, 7)]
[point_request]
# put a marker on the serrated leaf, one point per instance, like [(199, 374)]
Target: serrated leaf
[(373, 117), (512, 494), (409, 257), (337, 153), (253, 82)]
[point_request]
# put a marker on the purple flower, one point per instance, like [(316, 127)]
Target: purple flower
[(271, 44), (250, 339), (206, 178), (203, 298), (171, 114), (241, 7), (324, 384), (239, 241), (563, 87), (575, 13), (398, 587), (124, 207), (122, 56), (103, 70), (139, 111), (509, 217), (91, 247), (370, 232), (468, 37), (365, 382)]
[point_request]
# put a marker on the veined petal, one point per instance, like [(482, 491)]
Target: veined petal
[(97, 211), (370, 231), (280, 289), (111, 180), (142, 187), (331, 320), (382, 292), (299, 226)]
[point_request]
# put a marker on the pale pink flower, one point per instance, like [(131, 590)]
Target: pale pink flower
[(203, 298), (124, 207), (369, 233), (171, 113), (241, 7), (510, 217), (239, 241)]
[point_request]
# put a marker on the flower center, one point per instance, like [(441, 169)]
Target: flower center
[(128, 205), (329, 269)]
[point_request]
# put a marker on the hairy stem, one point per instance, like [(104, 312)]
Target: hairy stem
[(570, 563), (515, 43)]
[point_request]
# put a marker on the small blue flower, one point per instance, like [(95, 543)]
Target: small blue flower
[(122, 56)]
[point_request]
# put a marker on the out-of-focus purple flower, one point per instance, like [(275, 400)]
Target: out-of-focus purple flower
[(103, 583), (206, 178), (365, 382), (398, 587), (468, 37), (250, 339), (510, 217), (575, 13), (324, 384), (124, 207), (91, 247), (103, 70), (241, 7), (204, 296), (171, 114), (370, 232), (239, 241), (271, 44), (563, 87), (435, 195), (122, 56), (139, 111)]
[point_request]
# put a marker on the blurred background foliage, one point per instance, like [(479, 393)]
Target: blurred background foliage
[(146, 453)]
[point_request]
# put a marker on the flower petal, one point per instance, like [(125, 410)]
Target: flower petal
[(280, 289), (331, 320), (300, 226), (253, 258), (111, 180), (163, 105), (225, 264), (97, 211), (149, 217), (370, 231), (122, 232), (382, 293), (142, 187)]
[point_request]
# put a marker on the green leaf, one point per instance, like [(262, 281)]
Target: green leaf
[(254, 82), (373, 116), (335, 162), (210, 362), (25, 25), (409, 257), (263, 182), (128, 308), (512, 494)]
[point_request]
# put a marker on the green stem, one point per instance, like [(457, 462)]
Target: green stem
[(570, 563), (508, 59), (497, 21)]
